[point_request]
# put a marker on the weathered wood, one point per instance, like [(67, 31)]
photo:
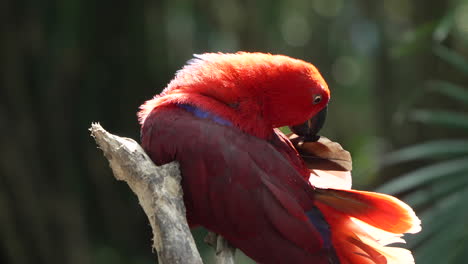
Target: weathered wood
[(224, 251), (159, 192)]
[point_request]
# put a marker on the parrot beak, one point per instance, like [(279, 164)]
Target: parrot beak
[(311, 127)]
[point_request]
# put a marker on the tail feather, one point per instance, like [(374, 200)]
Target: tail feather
[(364, 223), (379, 210)]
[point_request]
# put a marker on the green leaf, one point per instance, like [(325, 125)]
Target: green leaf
[(436, 192), (425, 175), (443, 118), (415, 40), (286, 130), (444, 226), (444, 26), (452, 57), (432, 149), (460, 248), (448, 89), (437, 217)]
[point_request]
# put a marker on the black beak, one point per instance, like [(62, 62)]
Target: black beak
[(311, 127)]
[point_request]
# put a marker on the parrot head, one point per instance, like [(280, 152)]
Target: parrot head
[(253, 91)]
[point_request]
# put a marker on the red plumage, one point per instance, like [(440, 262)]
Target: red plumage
[(242, 178)]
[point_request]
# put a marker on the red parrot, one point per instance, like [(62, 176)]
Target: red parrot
[(243, 179)]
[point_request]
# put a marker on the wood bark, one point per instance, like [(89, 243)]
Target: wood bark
[(160, 195), (224, 251)]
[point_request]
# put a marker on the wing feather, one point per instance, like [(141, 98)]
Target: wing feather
[(237, 185)]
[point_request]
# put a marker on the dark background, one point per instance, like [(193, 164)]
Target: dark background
[(397, 70)]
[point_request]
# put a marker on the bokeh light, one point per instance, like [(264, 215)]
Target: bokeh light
[(295, 29), (346, 70), (328, 8)]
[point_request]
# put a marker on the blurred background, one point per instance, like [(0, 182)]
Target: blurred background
[(398, 71)]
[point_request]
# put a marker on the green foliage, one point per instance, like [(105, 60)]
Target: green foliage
[(452, 57), (67, 63), (450, 90), (438, 189)]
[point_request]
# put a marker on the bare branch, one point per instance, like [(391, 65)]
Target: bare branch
[(224, 251), (159, 192)]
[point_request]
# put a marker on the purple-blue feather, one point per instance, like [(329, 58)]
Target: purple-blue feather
[(318, 220), (205, 114)]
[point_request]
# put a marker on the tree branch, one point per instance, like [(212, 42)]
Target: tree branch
[(159, 192), (224, 251)]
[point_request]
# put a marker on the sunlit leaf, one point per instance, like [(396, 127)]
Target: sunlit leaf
[(425, 175), (414, 40), (286, 130), (451, 90), (436, 192), (436, 218), (452, 57), (443, 231), (442, 118), (432, 149), (444, 27)]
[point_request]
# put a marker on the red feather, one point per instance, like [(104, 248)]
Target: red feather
[(245, 180), (237, 185), (247, 89)]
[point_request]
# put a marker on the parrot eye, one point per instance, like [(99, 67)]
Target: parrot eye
[(317, 99)]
